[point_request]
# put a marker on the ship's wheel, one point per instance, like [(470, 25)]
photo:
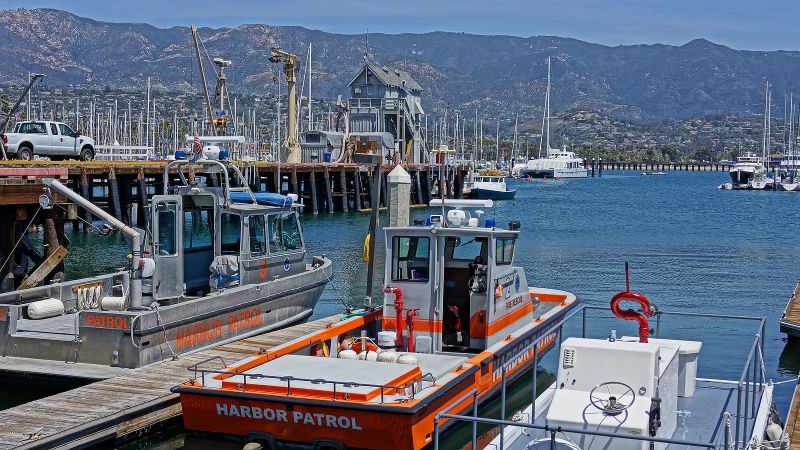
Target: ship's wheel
[(606, 397)]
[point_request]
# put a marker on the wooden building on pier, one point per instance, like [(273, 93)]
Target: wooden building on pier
[(385, 99)]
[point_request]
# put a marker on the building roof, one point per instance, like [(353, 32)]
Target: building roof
[(390, 77)]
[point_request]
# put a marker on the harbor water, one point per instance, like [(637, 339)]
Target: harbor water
[(690, 247)]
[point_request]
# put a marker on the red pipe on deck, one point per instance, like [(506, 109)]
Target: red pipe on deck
[(411, 314), (629, 314), (398, 308)]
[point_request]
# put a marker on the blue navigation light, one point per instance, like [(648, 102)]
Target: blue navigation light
[(490, 223), (223, 154), (180, 154)]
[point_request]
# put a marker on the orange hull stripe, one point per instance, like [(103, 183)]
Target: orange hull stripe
[(421, 325), (547, 297), (508, 319)]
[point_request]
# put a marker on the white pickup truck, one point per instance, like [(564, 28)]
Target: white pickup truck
[(55, 140)]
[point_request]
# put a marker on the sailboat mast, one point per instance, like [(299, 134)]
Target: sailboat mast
[(547, 104), (497, 142), (310, 114)]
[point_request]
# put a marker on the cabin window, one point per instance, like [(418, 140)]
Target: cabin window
[(230, 230), (505, 251), (258, 235), (411, 260), (469, 249), (291, 232), (284, 232), (53, 129), (197, 229), (167, 213)]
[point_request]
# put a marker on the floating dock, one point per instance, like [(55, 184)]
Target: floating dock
[(790, 320), (127, 406)]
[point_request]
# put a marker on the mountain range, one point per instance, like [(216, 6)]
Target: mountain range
[(499, 74)]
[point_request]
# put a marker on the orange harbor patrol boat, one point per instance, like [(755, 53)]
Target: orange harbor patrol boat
[(455, 311)]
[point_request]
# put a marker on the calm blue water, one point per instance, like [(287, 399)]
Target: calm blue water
[(690, 246)]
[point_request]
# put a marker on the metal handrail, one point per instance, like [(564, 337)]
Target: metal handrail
[(288, 379), (560, 429)]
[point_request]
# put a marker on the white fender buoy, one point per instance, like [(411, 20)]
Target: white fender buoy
[(405, 358), (109, 303), (148, 267), (42, 309), (348, 354), (368, 355), (389, 356)]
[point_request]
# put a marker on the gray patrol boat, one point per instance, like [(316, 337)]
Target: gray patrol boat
[(218, 263)]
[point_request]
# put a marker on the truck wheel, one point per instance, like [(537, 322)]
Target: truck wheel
[(25, 153), (86, 154)]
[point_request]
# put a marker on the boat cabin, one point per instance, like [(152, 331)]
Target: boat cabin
[(457, 273), (206, 237)]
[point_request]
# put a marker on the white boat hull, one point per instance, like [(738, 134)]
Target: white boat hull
[(554, 173)]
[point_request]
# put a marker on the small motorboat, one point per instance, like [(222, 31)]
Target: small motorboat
[(489, 187), (455, 309), (651, 173)]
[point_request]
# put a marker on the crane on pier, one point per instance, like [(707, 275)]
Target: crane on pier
[(290, 145)]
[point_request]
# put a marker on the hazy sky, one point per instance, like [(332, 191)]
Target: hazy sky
[(741, 24)]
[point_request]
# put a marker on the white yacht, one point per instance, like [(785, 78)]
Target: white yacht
[(747, 169), (558, 163)]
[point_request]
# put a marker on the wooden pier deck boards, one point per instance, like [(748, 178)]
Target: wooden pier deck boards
[(790, 321), (792, 423), (126, 403)]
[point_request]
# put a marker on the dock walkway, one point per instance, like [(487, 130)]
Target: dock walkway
[(126, 405), (792, 424), (790, 321)]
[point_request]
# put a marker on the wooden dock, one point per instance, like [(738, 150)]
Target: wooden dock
[(790, 320), (126, 406), (792, 427)]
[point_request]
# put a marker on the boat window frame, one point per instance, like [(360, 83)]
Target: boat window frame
[(498, 261), (281, 247), (252, 239), (188, 242), (222, 228), (170, 206), (396, 258)]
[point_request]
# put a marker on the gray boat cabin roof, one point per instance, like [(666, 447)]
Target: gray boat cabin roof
[(389, 76)]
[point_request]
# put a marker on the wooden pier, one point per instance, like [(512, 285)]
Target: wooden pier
[(127, 406), (790, 320)]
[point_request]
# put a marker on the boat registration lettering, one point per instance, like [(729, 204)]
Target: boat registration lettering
[(106, 321), (514, 302), (189, 336), (281, 415), (244, 320)]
